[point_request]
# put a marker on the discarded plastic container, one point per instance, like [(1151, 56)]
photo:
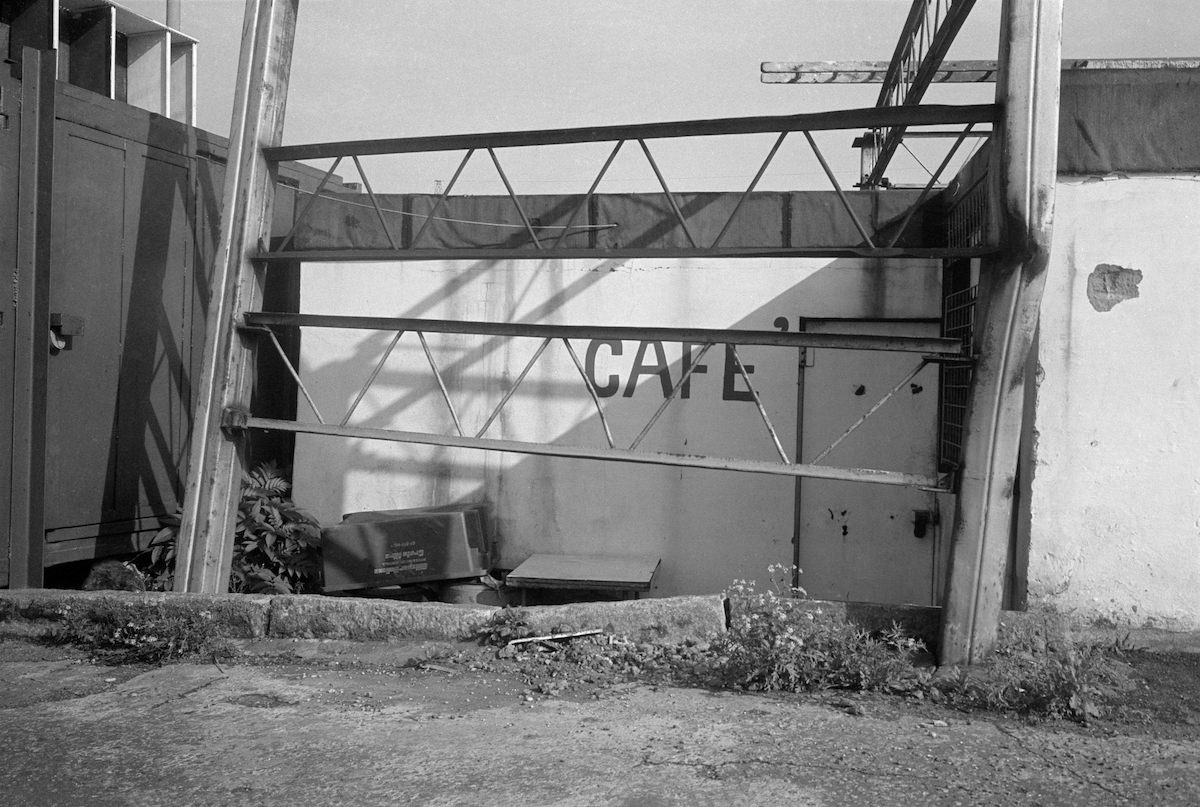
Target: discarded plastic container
[(393, 547)]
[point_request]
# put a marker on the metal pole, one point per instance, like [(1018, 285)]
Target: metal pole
[(237, 421), (1010, 293)]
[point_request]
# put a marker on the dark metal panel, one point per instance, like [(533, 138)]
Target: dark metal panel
[(86, 280), (208, 178), (32, 25), (119, 404), (98, 546), (122, 120), (150, 427)]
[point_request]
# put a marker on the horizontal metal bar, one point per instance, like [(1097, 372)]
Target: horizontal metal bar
[(868, 118), (870, 72), (239, 420), (699, 336), (529, 253)]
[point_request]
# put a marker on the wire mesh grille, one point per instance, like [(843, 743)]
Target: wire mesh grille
[(968, 219), (958, 322)]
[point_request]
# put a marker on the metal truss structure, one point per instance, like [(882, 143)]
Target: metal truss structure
[(549, 239), (1020, 181), (930, 349)]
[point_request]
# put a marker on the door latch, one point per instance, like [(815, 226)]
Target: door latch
[(62, 328), (922, 521)]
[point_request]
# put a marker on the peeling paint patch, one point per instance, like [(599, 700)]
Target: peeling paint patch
[(1109, 284)]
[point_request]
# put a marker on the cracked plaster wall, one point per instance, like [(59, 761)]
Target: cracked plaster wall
[(1115, 500)]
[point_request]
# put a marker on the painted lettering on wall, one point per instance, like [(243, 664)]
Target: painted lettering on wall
[(651, 366)]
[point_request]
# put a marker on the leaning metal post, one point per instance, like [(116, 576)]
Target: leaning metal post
[(1010, 294)]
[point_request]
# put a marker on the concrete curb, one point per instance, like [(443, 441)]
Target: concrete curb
[(372, 620), (237, 616), (243, 616), (666, 620)]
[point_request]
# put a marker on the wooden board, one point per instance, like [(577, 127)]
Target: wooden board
[(619, 573)]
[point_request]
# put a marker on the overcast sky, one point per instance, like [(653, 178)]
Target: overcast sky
[(386, 68)]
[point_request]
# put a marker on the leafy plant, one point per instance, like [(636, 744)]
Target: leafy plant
[(505, 625), (153, 640), (1074, 682), (276, 544), (157, 562), (773, 645)]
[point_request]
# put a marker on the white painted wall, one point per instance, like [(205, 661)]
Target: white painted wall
[(1115, 502), (708, 527)]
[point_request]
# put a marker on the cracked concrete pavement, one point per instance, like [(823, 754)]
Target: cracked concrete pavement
[(314, 723)]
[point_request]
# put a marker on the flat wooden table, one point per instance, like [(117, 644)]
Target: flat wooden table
[(601, 572)]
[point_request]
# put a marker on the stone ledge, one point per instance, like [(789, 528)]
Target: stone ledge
[(245, 616), (236, 616)]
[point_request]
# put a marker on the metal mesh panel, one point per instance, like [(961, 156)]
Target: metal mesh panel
[(968, 219), (958, 322)]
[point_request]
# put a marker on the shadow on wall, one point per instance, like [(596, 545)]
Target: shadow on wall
[(708, 526)]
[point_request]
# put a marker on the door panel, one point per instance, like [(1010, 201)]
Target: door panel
[(117, 391), (85, 281), (856, 540), (152, 401)]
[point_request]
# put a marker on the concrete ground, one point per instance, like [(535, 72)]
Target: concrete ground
[(312, 722)]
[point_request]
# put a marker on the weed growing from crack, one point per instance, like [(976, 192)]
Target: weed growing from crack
[(774, 645), (154, 640), (505, 625), (1063, 679), (777, 642)]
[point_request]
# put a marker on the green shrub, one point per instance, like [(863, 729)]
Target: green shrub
[(276, 546), (773, 645), (1074, 682), (152, 640), (505, 625)]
